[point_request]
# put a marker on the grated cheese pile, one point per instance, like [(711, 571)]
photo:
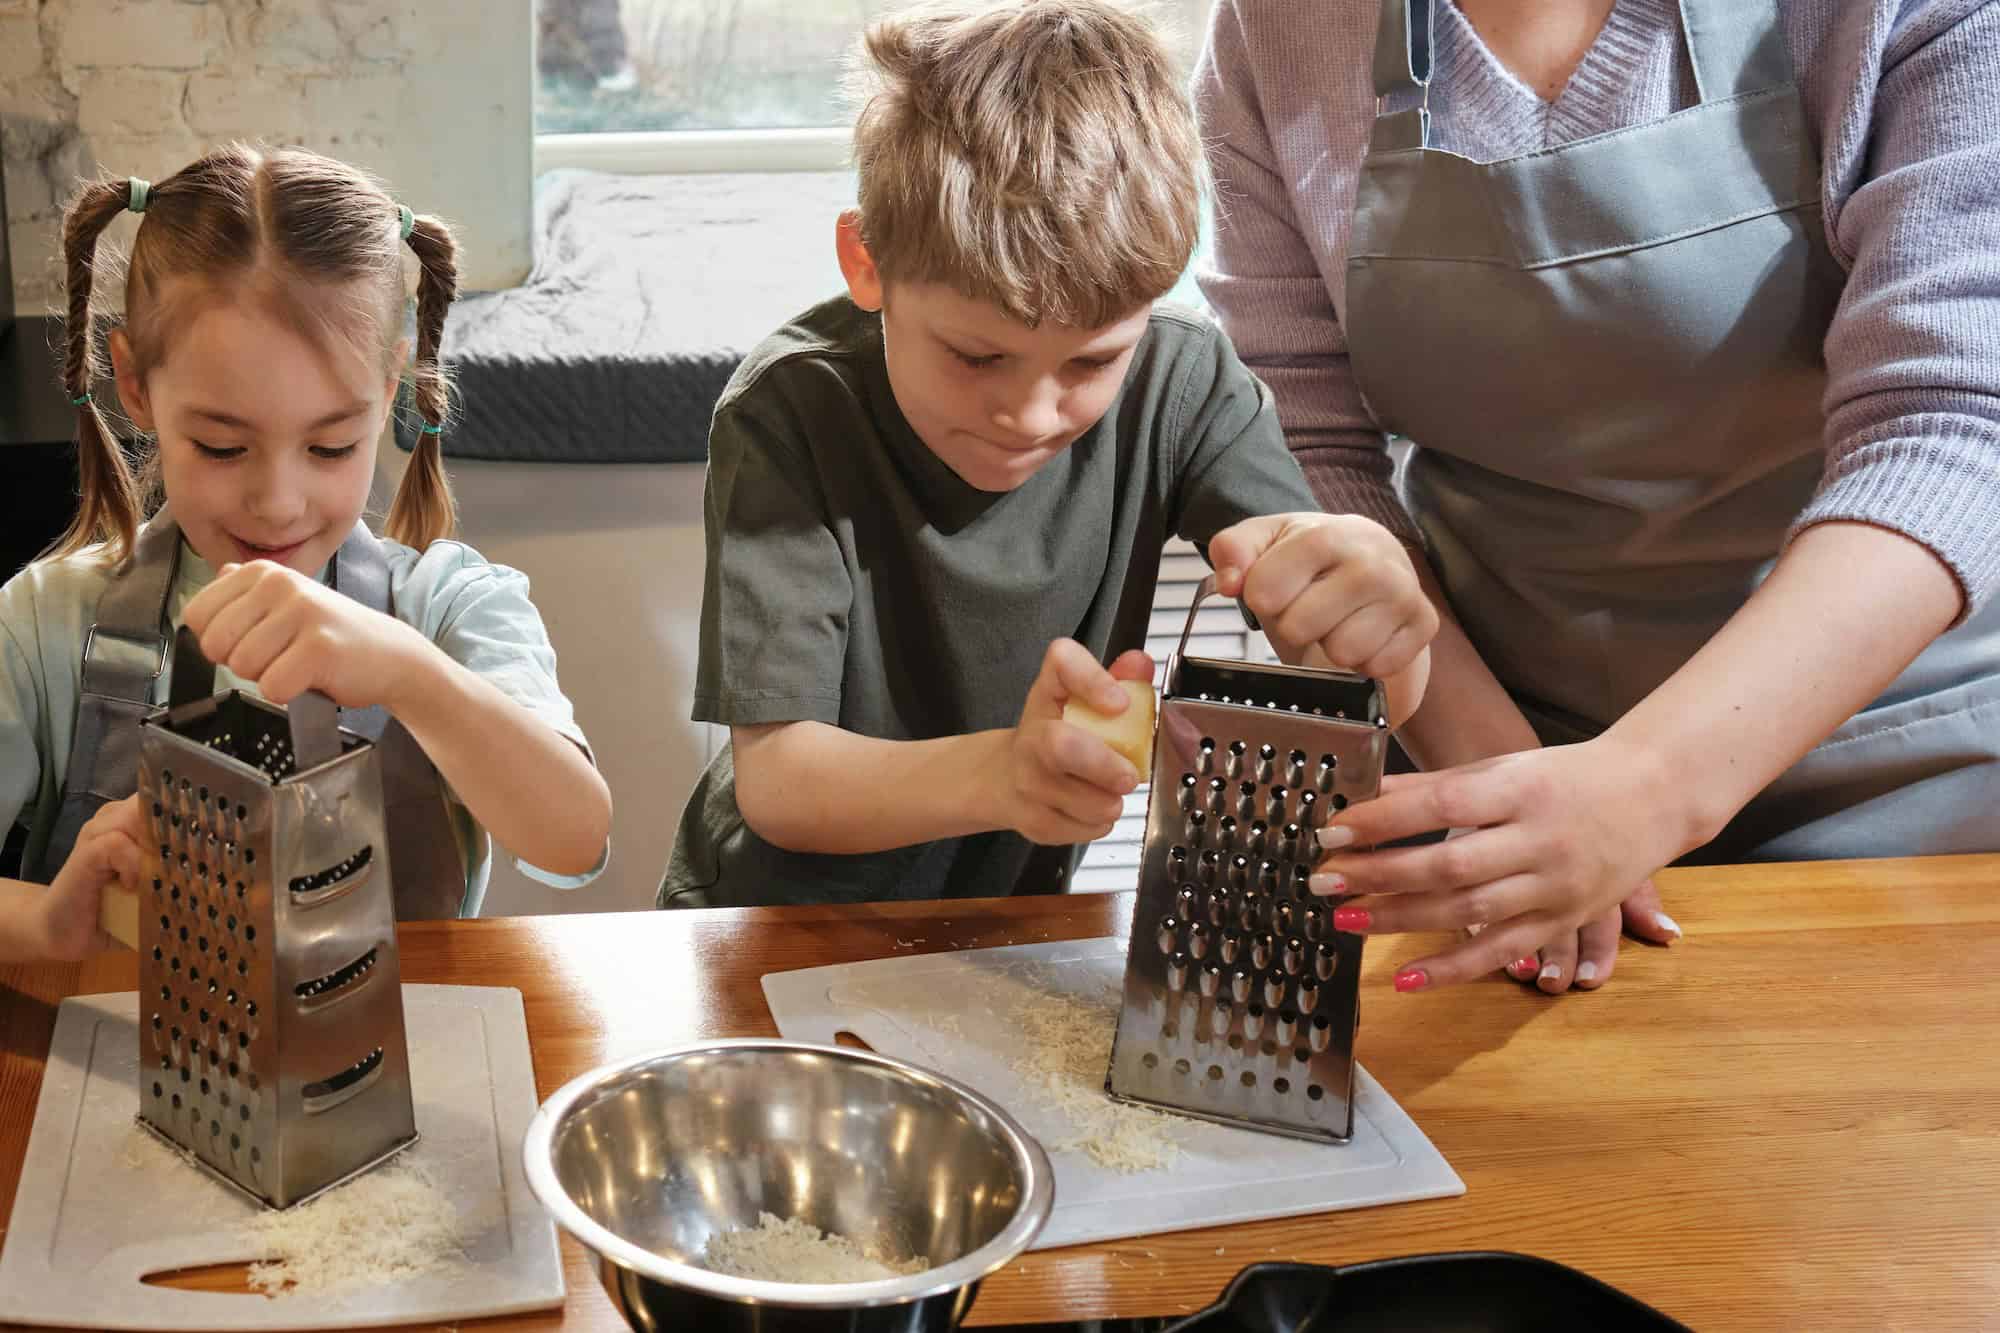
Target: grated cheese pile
[(1069, 1039), (781, 1249), (387, 1226)]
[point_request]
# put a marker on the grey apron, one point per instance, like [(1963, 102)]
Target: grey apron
[(124, 656), (1607, 359)]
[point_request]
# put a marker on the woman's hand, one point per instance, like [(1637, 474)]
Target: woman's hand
[(1552, 841), (289, 634)]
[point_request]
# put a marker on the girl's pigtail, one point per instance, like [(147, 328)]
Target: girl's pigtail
[(423, 510), (108, 507)]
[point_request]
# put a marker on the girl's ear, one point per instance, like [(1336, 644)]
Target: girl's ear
[(131, 384), (399, 360)]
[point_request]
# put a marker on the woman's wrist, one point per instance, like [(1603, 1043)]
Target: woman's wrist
[(1686, 800)]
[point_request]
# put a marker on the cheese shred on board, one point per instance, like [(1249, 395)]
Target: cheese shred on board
[(387, 1226), (1070, 1048), (786, 1249)]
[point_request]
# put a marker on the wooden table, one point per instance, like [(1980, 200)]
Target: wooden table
[(1789, 1121)]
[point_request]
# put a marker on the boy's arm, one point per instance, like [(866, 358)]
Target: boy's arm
[(811, 787), (1466, 714)]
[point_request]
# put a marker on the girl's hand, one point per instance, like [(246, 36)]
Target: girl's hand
[(1060, 784), (107, 854), (1557, 838), (1337, 583), (289, 634)]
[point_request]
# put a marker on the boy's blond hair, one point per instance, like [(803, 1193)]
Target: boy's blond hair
[(1038, 154)]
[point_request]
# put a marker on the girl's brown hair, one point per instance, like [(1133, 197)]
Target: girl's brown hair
[(285, 226)]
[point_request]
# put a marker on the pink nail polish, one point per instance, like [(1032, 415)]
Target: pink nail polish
[(1327, 882), (1351, 919), (1527, 965), (1412, 978)]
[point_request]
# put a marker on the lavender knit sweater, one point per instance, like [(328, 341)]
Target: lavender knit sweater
[(1903, 101)]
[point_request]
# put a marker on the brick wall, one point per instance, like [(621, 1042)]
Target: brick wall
[(434, 96)]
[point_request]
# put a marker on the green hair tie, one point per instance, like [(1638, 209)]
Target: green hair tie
[(409, 220), (137, 194), (429, 429), (82, 399)]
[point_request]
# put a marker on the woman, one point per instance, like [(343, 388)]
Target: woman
[(1688, 313)]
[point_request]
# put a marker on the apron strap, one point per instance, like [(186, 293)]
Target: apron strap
[(123, 655), (425, 859), (1403, 47), (126, 648), (1736, 47), (360, 571)]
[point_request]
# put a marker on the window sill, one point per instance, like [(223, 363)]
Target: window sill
[(696, 151)]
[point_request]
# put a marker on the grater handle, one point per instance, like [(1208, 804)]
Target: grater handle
[(1202, 592), (315, 729), (314, 717), (193, 675)]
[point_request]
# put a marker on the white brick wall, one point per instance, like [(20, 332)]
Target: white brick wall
[(436, 98)]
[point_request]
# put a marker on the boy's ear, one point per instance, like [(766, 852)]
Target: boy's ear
[(131, 384), (864, 280)]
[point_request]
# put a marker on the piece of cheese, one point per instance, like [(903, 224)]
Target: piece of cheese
[(1130, 733), (791, 1250), (118, 914), (394, 1224)]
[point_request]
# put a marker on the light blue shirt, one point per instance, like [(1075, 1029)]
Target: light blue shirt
[(477, 612)]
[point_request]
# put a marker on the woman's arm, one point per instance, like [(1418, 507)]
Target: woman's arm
[(1847, 607), (1264, 279)]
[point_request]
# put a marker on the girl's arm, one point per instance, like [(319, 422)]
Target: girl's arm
[(530, 787)]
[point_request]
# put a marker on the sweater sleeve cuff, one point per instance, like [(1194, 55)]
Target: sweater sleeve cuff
[(1343, 485), (1933, 477)]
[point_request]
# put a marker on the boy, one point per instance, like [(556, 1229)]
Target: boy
[(948, 490)]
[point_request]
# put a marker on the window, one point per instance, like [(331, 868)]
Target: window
[(653, 66), (1112, 862)]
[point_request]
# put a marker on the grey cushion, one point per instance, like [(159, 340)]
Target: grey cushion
[(645, 293)]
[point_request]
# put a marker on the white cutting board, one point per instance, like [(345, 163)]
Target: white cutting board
[(951, 1012), (97, 1210)]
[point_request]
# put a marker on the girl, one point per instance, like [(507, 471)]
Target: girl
[(260, 353)]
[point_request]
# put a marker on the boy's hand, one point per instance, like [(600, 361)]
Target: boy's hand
[(290, 634), (1335, 582), (1060, 784), (107, 857)]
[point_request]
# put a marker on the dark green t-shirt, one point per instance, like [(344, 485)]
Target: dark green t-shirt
[(854, 579)]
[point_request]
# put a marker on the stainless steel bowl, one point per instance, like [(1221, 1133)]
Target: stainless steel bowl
[(646, 1159)]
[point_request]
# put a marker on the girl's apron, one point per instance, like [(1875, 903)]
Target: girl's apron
[(123, 659)]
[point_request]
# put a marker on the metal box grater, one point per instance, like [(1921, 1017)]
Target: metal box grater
[(271, 1042), (1241, 1000)]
